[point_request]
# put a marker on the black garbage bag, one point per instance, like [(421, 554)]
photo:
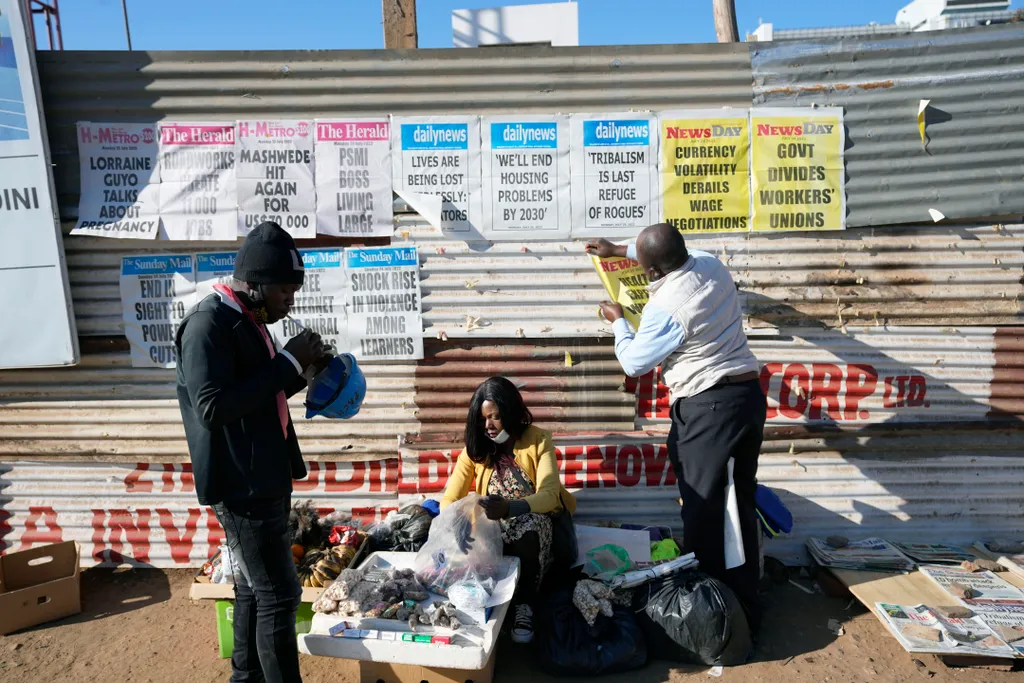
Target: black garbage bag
[(693, 618), (568, 646), (403, 535)]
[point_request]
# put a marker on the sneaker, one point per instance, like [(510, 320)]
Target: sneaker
[(522, 629)]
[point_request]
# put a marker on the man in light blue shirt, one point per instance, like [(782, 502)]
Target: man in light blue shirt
[(693, 327)]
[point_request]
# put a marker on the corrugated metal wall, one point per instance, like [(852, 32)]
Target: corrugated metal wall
[(974, 162)]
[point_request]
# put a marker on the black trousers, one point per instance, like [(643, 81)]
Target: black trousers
[(527, 549), (267, 592), (723, 422)]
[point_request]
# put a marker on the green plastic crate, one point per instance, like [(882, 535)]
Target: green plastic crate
[(225, 628)]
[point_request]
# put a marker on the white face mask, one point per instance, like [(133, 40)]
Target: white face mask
[(502, 437)]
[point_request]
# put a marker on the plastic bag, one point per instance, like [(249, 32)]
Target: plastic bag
[(463, 544), (567, 646), (691, 617), (606, 562), (403, 531)]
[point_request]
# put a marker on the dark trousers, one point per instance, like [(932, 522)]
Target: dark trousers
[(723, 422), (267, 591), (527, 549)]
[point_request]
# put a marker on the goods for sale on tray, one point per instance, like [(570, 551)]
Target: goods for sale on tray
[(395, 596), (319, 567)]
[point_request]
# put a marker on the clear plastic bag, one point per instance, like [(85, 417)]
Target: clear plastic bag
[(463, 544)]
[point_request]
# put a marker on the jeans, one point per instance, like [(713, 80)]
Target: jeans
[(267, 591), (723, 422)]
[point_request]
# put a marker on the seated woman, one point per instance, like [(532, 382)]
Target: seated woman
[(513, 465)]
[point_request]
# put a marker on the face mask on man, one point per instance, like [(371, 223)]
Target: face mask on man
[(502, 437)]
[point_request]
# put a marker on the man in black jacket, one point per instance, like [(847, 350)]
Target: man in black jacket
[(233, 385)]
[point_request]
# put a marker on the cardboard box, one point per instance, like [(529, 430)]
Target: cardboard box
[(226, 628), (382, 672), (39, 585)]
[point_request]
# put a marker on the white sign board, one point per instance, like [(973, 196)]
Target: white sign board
[(614, 174), (320, 304), (275, 176), (37, 326), (119, 180), (198, 192), (156, 293), (384, 308), (526, 177), (353, 178)]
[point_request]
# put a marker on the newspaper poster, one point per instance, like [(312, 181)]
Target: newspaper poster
[(705, 170), (986, 585), (436, 169), (353, 178), (526, 184), (156, 292), (1005, 617), (626, 283), (198, 195), (120, 194), (614, 174), (320, 304), (918, 629), (213, 269), (275, 176), (384, 308), (797, 172), (938, 553)]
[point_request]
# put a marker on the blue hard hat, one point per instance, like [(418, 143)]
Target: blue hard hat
[(338, 391)]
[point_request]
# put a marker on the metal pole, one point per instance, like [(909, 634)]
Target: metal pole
[(127, 30), (725, 21), (60, 34)]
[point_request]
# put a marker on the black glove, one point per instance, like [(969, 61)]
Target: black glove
[(463, 528)]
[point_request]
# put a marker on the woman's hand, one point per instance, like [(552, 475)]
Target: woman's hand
[(495, 507)]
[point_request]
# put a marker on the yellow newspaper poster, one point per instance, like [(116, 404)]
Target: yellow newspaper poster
[(705, 170), (626, 283), (798, 175)]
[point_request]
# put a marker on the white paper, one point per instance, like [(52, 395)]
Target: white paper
[(987, 585), (384, 308), (936, 215), (119, 180), (734, 555), (525, 167), (198, 192), (614, 174), (353, 177), (636, 543), (213, 269), (156, 292), (275, 176), (958, 636), (440, 155), (320, 304), (1003, 617)]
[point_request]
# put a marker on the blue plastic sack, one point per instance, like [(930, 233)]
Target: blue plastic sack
[(773, 515), (338, 391)]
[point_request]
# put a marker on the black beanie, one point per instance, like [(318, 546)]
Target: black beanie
[(268, 257)]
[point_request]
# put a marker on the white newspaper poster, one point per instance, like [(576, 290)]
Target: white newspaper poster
[(156, 292), (384, 308), (198, 196), (353, 178), (436, 167), (120, 193), (614, 174), (320, 304), (526, 177), (213, 269), (275, 176)]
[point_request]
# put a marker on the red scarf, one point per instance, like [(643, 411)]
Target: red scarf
[(282, 400)]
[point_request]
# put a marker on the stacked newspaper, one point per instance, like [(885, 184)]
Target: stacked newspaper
[(919, 629), (934, 553), (870, 554), (994, 601)]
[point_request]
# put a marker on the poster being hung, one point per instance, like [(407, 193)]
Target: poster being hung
[(797, 174), (526, 177), (320, 304), (384, 309), (436, 167), (275, 176), (626, 283), (705, 170), (213, 269), (353, 178), (614, 176), (119, 180), (198, 195), (156, 292)]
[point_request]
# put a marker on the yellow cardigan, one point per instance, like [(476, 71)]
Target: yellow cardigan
[(536, 456)]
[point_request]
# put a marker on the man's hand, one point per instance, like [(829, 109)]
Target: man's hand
[(603, 248), (495, 507), (306, 347), (611, 311)]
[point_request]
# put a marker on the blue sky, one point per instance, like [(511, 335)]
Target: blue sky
[(356, 24)]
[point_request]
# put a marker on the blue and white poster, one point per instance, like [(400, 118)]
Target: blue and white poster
[(525, 161), (320, 304), (156, 293), (385, 314)]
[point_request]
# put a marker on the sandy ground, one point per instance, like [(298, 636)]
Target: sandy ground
[(139, 625)]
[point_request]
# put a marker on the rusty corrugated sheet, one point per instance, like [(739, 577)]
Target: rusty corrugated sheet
[(975, 80)]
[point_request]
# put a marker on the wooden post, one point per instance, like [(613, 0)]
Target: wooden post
[(400, 24), (725, 21)]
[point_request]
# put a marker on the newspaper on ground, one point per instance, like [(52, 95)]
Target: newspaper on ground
[(869, 554), (639, 577), (1013, 551), (919, 629), (934, 553), (983, 585), (1005, 617)]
